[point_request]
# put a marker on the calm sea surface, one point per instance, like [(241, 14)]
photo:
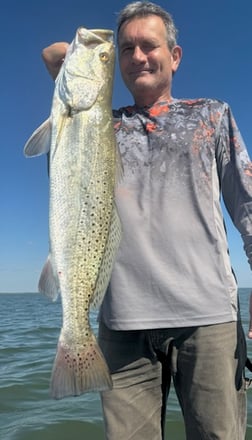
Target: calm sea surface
[(29, 330)]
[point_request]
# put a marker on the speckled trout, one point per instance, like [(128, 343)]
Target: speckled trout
[(84, 226)]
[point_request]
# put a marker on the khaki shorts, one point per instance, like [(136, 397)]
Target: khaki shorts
[(206, 365)]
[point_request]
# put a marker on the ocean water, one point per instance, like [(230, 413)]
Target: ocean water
[(29, 330)]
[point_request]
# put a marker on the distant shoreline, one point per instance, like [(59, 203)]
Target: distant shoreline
[(36, 292), (17, 293)]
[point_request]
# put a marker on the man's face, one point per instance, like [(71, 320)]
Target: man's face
[(146, 62)]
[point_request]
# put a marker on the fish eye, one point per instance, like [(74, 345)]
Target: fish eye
[(104, 57)]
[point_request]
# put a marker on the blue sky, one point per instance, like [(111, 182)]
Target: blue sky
[(216, 37)]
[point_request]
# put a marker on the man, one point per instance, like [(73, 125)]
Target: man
[(171, 309)]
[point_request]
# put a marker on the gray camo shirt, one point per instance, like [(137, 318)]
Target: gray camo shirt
[(173, 267)]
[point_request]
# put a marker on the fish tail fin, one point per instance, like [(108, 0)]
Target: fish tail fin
[(79, 370)]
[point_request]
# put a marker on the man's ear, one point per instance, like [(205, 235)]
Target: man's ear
[(176, 57)]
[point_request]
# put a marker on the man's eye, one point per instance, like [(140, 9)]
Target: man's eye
[(127, 49), (149, 46)]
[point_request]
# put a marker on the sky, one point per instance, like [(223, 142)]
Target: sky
[(216, 37)]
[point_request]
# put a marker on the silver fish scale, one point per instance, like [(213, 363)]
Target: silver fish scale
[(80, 222)]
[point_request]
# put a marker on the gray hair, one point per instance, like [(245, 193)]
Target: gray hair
[(142, 9)]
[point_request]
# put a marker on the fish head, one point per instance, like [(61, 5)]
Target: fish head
[(88, 70)]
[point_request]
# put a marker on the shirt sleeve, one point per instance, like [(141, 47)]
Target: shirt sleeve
[(235, 171)]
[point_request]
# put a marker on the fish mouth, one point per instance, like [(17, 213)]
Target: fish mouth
[(104, 34), (96, 36)]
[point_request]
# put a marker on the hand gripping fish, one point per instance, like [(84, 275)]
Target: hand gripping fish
[(84, 227)]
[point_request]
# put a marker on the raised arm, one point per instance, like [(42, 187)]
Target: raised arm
[(53, 57)]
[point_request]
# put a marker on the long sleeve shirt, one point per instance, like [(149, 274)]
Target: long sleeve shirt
[(173, 268)]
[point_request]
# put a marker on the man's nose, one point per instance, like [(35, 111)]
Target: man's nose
[(138, 55)]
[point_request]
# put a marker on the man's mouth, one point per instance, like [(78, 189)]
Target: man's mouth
[(140, 72)]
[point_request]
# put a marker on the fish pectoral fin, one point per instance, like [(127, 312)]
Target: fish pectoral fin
[(78, 370), (49, 282), (39, 142)]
